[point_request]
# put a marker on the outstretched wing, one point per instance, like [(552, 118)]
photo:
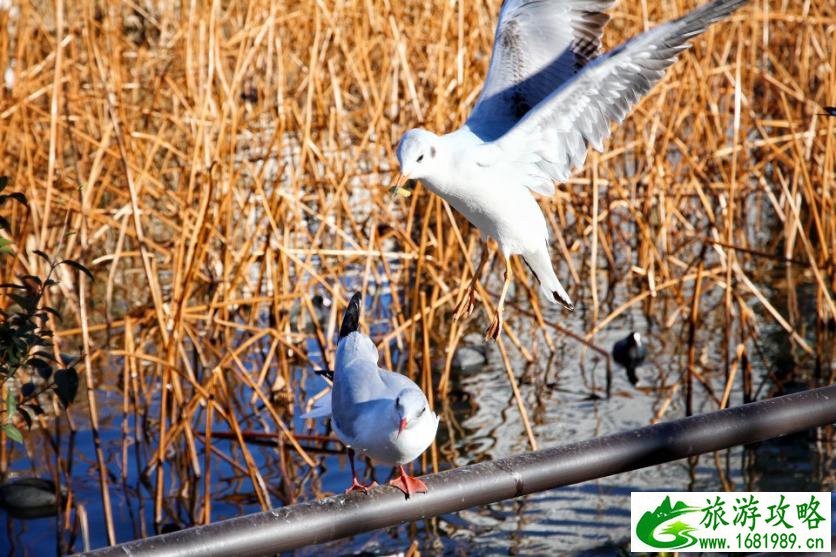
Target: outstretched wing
[(538, 46), (552, 138)]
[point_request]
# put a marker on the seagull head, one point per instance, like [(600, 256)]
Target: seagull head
[(410, 404), (417, 155)]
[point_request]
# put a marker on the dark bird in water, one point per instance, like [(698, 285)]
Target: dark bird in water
[(29, 497), (630, 353)]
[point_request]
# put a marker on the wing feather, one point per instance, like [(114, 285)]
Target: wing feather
[(320, 409), (538, 46), (579, 113)]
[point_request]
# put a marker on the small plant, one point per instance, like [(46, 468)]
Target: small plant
[(26, 340), (4, 224)]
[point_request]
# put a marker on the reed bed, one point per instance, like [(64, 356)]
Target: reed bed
[(223, 169)]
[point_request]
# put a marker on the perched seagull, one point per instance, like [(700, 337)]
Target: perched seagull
[(630, 353), (376, 412), (546, 98)]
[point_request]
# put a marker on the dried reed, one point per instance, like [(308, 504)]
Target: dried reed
[(224, 162)]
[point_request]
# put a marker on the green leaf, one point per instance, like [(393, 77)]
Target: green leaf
[(4, 246), (33, 278), (13, 433), (79, 266), (25, 302), (27, 389), (42, 367), (4, 181), (53, 311), (42, 255), (11, 404), (70, 360), (19, 197), (66, 385), (45, 354), (26, 417)]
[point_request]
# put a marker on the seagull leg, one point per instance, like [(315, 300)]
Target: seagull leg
[(495, 329), (356, 485), (408, 484), (465, 306)]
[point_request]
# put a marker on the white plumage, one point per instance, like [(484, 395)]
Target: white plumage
[(546, 98), (375, 412)]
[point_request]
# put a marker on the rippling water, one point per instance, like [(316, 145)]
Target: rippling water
[(565, 399), (593, 517)]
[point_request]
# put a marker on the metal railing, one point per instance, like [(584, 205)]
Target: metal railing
[(454, 490)]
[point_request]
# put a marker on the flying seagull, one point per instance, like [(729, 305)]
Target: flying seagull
[(546, 98), (374, 411), (629, 352)]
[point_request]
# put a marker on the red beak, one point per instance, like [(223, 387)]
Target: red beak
[(402, 426)]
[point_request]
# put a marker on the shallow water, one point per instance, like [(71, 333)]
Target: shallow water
[(480, 421), (593, 515)]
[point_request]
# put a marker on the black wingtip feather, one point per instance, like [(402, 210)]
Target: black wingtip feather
[(565, 302), (328, 373), (351, 317)]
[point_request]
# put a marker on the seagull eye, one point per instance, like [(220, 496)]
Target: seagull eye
[(420, 158)]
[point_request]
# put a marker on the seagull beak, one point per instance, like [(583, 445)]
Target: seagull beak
[(399, 188), (402, 426)]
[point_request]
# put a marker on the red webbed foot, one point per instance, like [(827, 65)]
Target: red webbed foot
[(408, 484), (357, 486)]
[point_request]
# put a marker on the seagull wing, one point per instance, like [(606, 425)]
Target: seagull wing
[(538, 46), (552, 138), (321, 408), (356, 386)]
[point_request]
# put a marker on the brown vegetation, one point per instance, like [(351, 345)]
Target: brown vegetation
[(221, 163)]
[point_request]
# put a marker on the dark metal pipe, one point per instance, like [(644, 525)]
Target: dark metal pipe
[(304, 524)]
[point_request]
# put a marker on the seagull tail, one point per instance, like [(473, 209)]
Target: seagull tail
[(320, 409), (351, 318), (631, 375), (541, 265)]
